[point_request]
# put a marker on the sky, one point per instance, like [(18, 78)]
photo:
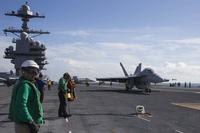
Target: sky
[(89, 38)]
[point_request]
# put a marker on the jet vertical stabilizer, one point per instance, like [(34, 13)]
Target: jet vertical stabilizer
[(125, 73), (138, 69)]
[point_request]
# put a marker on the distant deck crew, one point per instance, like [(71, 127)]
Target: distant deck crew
[(49, 84), (62, 90), (40, 84), (25, 108), (71, 89)]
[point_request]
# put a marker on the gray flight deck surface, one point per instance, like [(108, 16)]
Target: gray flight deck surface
[(111, 109)]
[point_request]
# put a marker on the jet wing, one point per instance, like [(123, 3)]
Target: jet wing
[(10, 81), (2, 79), (114, 79)]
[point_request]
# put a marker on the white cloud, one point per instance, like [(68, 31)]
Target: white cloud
[(182, 71), (77, 64), (187, 41), (79, 33), (102, 59), (178, 65), (122, 46)]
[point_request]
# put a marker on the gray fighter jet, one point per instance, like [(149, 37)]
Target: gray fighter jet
[(140, 79), (8, 78)]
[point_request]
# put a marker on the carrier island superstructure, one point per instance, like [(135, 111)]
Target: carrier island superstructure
[(26, 47)]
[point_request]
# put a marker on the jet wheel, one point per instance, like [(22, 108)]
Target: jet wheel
[(148, 90), (127, 88)]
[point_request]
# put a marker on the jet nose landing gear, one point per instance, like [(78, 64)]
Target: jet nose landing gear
[(148, 90)]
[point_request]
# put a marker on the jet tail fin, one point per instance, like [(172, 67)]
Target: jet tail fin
[(138, 69), (125, 73)]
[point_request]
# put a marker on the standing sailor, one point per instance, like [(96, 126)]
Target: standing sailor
[(62, 91), (25, 108)]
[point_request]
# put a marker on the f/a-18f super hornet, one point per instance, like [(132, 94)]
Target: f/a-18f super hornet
[(140, 79)]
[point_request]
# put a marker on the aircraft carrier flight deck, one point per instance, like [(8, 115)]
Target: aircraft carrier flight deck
[(111, 109)]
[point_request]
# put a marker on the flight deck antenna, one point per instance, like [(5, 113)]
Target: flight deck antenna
[(26, 47)]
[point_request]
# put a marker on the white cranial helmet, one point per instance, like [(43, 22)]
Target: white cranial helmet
[(29, 63)]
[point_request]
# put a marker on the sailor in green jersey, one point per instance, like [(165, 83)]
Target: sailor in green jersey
[(62, 90), (25, 108)]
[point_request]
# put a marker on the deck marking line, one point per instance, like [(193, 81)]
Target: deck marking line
[(143, 118), (179, 131), (188, 105)]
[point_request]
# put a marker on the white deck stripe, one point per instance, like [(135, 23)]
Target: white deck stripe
[(179, 131), (143, 118), (67, 121)]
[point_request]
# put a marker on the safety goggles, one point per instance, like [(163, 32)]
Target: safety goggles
[(34, 72)]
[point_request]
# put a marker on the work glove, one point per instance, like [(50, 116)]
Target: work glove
[(34, 128)]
